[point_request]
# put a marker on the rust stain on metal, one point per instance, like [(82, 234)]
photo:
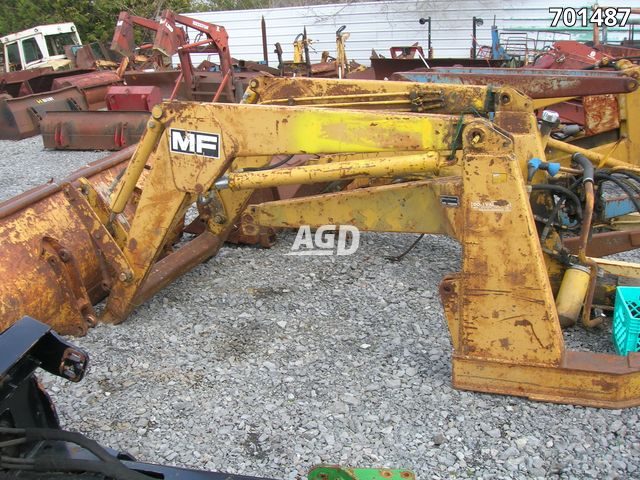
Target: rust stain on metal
[(31, 286), (604, 385), (601, 113), (527, 323), (533, 83)]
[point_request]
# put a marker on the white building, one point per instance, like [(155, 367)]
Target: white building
[(379, 25)]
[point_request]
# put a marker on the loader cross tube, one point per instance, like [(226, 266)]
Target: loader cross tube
[(383, 95)]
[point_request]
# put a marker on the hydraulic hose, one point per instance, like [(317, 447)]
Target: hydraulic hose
[(562, 191), (625, 188), (589, 201), (587, 182), (107, 464)]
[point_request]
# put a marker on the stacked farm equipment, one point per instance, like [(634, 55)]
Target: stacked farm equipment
[(516, 161), (37, 80), (593, 89), (121, 125), (329, 67), (129, 106), (78, 90)]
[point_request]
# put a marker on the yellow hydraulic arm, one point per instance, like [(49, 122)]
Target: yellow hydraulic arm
[(107, 248), (501, 314), (508, 109), (196, 144), (500, 308)]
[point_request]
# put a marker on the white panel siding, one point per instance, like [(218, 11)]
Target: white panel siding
[(379, 25)]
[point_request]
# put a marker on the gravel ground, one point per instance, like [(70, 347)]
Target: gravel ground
[(265, 364)]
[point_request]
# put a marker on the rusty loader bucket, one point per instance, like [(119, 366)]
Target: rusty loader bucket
[(50, 266), (94, 85), (103, 130), (20, 117)]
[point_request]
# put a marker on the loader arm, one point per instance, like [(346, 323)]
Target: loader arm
[(123, 40), (217, 41), (230, 140), (502, 315), (375, 137), (130, 254), (508, 108), (500, 309)]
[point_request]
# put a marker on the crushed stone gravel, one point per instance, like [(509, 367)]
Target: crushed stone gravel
[(260, 363)]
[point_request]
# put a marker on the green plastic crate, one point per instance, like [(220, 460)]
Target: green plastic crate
[(626, 320)]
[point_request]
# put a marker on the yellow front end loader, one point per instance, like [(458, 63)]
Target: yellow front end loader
[(458, 174)]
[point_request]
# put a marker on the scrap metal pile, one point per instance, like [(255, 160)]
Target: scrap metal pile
[(63, 104), (541, 165)]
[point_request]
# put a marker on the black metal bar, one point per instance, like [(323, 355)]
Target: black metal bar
[(265, 50)]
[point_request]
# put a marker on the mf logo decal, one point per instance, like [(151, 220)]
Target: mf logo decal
[(195, 143)]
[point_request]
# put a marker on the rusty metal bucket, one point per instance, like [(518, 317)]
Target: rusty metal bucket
[(37, 80), (94, 85), (41, 276), (20, 117), (104, 130)]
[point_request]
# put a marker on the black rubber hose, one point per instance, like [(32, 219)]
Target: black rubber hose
[(627, 179), (630, 178), (561, 191), (268, 167), (16, 460), (628, 174), (605, 177), (549, 222), (575, 185), (587, 166), (55, 464), (52, 434), (13, 442)]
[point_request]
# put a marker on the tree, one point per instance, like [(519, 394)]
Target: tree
[(95, 19)]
